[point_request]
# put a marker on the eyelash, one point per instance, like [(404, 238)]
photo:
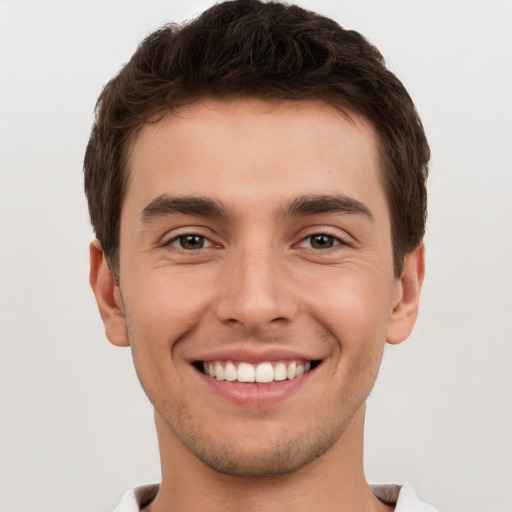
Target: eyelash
[(180, 240), (335, 240)]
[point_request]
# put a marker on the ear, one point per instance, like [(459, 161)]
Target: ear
[(406, 297), (107, 296)]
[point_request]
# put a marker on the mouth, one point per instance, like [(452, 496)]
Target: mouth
[(266, 372)]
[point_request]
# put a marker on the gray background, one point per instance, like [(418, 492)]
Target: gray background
[(75, 429)]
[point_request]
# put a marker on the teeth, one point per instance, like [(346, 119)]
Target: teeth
[(230, 371), (246, 372), (280, 372), (291, 371), (262, 373), (219, 372)]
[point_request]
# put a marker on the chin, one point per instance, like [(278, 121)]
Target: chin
[(282, 461), (249, 460)]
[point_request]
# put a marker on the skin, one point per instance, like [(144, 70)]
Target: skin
[(257, 282)]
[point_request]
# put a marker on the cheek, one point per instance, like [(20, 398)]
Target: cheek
[(164, 306), (354, 307), (160, 313), (158, 317)]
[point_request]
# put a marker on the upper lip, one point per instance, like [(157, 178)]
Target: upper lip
[(253, 356)]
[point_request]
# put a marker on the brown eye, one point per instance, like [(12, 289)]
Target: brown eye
[(322, 241), (190, 242)]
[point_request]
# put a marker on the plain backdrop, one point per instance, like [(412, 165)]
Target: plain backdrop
[(76, 431)]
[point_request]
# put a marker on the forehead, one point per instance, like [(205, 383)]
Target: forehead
[(249, 150)]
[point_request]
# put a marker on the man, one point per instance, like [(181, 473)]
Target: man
[(256, 182)]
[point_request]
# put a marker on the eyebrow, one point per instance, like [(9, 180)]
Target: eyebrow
[(317, 204), (303, 205), (167, 205)]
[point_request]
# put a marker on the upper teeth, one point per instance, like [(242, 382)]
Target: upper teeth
[(262, 372)]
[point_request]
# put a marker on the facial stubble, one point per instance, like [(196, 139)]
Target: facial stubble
[(267, 456)]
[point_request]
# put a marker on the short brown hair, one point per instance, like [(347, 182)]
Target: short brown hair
[(246, 48)]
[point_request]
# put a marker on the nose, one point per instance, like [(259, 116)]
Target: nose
[(256, 291)]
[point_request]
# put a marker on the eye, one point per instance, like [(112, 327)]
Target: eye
[(190, 242), (320, 241)]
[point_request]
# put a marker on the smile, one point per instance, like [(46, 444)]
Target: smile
[(263, 373)]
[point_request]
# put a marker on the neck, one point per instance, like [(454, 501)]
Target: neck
[(334, 481)]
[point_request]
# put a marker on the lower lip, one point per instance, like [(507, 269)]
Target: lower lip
[(254, 394)]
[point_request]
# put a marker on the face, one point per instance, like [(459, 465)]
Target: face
[(256, 279)]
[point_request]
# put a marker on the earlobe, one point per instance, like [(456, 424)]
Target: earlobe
[(107, 296), (407, 297)]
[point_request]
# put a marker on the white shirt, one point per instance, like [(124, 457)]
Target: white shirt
[(402, 496)]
